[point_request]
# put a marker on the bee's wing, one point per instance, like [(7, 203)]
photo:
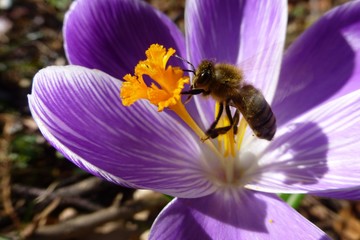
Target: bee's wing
[(262, 69)]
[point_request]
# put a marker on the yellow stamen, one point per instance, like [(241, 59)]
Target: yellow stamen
[(226, 141), (230, 144), (133, 88), (167, 84), (241, 133)]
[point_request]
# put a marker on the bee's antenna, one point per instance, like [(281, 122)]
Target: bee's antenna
[(186, 70), (189, 70)]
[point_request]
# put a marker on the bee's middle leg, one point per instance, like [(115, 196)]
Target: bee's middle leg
[(214, 132)]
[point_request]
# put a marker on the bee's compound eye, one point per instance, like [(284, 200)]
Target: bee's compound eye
[(205, 74)]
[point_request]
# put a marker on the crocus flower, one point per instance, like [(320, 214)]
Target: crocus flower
[(223, 189)]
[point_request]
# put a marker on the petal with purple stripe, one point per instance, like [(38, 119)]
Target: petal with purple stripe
[(233, 215), (322, 64), (350, 194), (315, 153), (80, 112)]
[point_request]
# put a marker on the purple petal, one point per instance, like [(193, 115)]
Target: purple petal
[(323, 64), (316, 153), (80, 112), (233, 215), (113, 35), (351, 194), (246, 33)]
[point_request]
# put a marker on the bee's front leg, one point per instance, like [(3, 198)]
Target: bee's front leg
[(194, 91), (191, 92)]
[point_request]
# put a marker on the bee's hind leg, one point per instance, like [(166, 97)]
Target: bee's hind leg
[(236, 119)]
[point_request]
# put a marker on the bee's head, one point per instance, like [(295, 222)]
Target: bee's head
[(204, 75)]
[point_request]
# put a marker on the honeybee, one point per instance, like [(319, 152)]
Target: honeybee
[(225, 83)]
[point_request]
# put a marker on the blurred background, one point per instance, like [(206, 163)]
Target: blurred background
[(44, 196)]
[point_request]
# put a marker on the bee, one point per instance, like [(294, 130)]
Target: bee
[(225, 84)]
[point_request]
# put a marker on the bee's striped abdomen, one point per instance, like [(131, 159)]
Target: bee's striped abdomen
[(256, 111)]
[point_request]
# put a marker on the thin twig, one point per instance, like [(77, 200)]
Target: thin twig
[(5, 169), (86, 223), (46, 196)]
